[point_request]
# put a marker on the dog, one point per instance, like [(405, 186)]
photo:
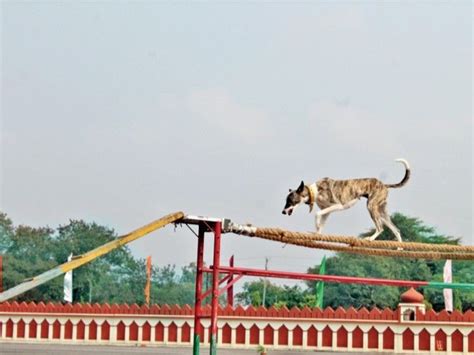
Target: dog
[(337, 195)]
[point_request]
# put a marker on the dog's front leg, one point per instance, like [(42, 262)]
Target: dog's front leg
[(321, 216), (320, 221)]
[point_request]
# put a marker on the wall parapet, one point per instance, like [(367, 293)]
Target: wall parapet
[(239, 311)]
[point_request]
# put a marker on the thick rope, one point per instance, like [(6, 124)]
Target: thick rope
[(369, 251), (359, 246), (354, 241)]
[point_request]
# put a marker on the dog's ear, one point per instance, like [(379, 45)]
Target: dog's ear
[(300, 188)]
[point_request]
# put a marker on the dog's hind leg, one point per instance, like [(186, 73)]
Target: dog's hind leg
[(372, 206), (378, 231), (388, 222)]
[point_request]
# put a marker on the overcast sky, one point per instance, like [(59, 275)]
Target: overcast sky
[(121, 113)]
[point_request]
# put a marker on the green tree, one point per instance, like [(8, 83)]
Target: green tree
[(279, 296), (6, 233), (115, 277), (27, 251), (172, 287)]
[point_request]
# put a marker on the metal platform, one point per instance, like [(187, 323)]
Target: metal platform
[(227, 226), (192, 219)]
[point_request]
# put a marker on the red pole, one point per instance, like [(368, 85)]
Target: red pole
[(148, 280), (230, 290), (209, 291), (317, 277), (215, 287), (198, 294)]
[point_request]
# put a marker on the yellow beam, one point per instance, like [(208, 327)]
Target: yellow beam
[(122, 240)]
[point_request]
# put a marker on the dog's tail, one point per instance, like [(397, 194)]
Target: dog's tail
[(405, 178)]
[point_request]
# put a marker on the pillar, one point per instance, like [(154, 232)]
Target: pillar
[(247, 337), (381, 341), (365, 340), (305, 338), (113, 333), (50, 331), (334, 340)]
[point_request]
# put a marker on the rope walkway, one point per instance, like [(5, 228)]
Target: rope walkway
[(357, 245)]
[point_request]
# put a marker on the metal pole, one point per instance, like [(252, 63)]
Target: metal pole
[(198, 294), (147, 289), (340, 279), (230, 290), (265, 284), (215, 287)]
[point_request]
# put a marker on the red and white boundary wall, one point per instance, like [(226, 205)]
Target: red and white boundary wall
[(406, 329)]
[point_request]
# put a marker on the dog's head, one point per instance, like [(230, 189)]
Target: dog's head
[(294, 198)]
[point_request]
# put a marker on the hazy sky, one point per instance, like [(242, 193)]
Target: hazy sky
[(120, 113)]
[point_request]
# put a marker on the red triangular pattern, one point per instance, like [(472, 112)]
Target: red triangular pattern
[(328, 312), (340, 313), (363, 313)]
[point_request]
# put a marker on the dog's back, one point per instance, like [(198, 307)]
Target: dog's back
[(332, 191)]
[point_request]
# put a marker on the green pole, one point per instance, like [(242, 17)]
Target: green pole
[(459, 286), (196, 344), (320, 284), (213, 350)]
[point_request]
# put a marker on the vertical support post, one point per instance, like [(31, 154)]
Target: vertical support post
[(198, 294), (265, 284), (215, 287), (230, 290)]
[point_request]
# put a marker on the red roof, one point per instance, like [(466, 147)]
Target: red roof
[(412, 296)]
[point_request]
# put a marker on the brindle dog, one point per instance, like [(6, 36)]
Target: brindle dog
[(337, 195)]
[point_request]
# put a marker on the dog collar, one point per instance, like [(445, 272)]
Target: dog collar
[(312, 198)]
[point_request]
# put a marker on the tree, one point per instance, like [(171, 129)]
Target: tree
[(171, 287), (115, 277), (279, 296), (27, 252)]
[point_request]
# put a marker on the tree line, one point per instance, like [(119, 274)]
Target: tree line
[(119, 277)]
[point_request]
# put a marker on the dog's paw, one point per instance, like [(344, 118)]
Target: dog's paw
[(399, 248)]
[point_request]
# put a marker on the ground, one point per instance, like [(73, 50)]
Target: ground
[(53, 349)]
